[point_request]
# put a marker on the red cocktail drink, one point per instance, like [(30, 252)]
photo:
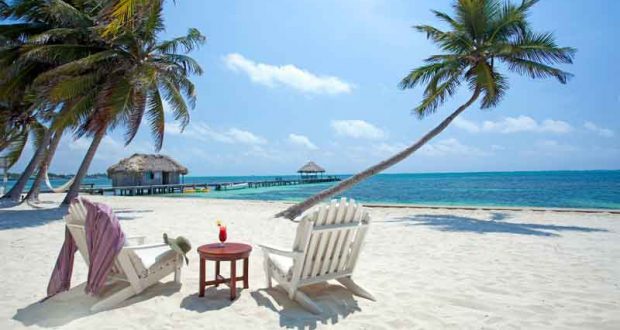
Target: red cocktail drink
[(222, 234)]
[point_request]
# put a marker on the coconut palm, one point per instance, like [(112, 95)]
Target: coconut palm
[(481, 34), (66, 30), (131, 77)]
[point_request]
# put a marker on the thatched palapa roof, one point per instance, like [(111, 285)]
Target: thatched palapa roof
[(139, 163), (311, 167)]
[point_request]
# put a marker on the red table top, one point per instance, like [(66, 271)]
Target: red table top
[(215, 251)]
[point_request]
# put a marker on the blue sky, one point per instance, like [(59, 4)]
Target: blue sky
[(290, 81)]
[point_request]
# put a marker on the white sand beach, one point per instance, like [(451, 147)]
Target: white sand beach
[(428, 268)]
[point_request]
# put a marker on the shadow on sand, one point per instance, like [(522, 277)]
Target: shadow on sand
[(74, 304), (15, 219), (336, 302), (495, 224), (214, 299)]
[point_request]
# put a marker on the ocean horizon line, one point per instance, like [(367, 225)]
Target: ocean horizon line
[(405, 173)]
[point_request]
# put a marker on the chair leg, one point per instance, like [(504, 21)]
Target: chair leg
[(307, 303), (113, 300), (356, 289), (177, 275)]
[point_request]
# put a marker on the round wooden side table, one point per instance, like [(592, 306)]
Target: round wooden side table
[(228, 252)]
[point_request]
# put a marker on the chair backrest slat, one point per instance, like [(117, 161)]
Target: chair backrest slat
[(312, 246), (337, 231), (332, 237), (342, 235), (322, 238)]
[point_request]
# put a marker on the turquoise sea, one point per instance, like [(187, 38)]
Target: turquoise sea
[(562, 189)]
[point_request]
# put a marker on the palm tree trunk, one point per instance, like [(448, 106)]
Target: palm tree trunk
[(16, 191), (33, 194), (299, 208), (88, 158)]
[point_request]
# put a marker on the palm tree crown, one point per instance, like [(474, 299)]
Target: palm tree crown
[(129, 77), (482, 33)]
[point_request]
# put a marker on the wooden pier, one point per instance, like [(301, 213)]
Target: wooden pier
[(180, 188)]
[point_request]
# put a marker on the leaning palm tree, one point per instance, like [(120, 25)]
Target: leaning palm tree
[(65, 29), (130, 78), (481, 34)]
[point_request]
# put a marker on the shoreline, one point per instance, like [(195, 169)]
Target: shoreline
[(423, 206)]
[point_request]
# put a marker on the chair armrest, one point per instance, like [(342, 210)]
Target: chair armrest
[(279, 251), (145, 246), (135, 240)]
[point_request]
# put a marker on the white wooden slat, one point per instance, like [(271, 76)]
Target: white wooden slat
[(333, 236), (334, 227), (341, 236), (79, 236), (348, 238), (312, 246), (304, 240), (320, 252), (359, 240)]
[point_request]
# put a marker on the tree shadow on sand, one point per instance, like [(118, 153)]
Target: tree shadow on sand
[(15, 219), (495, 224), (23, 218), (336, 302), (74, 304)]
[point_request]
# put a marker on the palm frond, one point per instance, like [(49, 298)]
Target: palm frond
[(189, 42), (134, 112), (536, 69), (16, 148), (175, 100), (492, 85), (539, 47), (156, 117)]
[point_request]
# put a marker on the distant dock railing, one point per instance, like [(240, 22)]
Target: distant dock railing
[(219, 186)]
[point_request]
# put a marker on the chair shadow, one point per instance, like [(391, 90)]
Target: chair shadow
[(74, 304), (495, 224), (336, 302), (14, 219)]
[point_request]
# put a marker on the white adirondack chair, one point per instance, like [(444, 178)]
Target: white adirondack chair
[(326, 247), (140, 265)]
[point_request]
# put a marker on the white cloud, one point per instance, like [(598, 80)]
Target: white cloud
[(302, 140), (388, 149), (606, 132), (202, 131), (245, 137), (466, 125), (358, 129), (518, 124), (286, 75), (554, 146), (451, 146)]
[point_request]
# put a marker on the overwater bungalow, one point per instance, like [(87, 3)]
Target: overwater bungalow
[(146, 169), (311, 171)]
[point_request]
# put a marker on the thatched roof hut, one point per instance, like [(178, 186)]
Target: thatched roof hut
[(311, 171), (311, 167), (146, 169)]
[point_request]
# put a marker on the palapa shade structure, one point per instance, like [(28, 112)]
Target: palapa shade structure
[(310, 171), (146, 169)]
